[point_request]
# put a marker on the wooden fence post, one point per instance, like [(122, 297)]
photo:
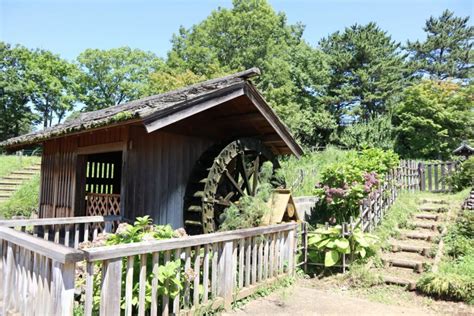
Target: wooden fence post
[(291, 250), (63, 287), (8, 277), (225, 277), (111, 287)]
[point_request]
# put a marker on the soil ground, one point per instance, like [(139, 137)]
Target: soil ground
[(315, 297)]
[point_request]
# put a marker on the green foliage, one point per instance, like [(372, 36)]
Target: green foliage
[(344, 184), (447, 50), (448, 286), (455, 276), (169, 279), (249, 210), (292, 71), (114, 76), (376, 132), (142, 230), (170, 79), (10, 163), (301, 174), (16, 116), (54, 85), (328, 245), (432, 118), (463, 177), (367, 70), (23, 202)]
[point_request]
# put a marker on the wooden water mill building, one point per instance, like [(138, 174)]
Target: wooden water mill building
[(180, 157)]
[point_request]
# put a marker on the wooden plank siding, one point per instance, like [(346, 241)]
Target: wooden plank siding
[(61, 193), (158, 168), (155, 172)]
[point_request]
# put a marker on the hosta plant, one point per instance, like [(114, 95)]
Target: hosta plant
[(328, 245)]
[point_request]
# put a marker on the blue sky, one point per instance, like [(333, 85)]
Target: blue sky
[(68, 27)]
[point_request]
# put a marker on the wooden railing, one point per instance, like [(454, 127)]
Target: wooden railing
[(36, 275), (39, 277), (215, 269), (102, 204), (68, 231)]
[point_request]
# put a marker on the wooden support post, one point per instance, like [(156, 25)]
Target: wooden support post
[(63, 288), (225, 276), (111, 287)]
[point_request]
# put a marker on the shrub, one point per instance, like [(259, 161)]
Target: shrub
[(344, 184), (463, 177), (447, 286), (249, 210)]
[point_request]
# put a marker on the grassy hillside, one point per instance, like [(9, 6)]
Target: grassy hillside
[(12, 163), (312, 163), (25, 200)]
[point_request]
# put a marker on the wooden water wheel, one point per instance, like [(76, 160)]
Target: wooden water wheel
[(222, 175)]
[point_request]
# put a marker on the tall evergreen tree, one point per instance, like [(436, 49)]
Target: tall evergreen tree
[(366, 71), (252, 34), (447, 50)]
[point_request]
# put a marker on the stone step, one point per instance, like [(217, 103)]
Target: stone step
[(416, 266), (5, 194), (17, 178), (434, 201), (8, 189), (432, 209), (432, 217), (24, 173), (418, 235), (409, 284), (424, 251), (426, 225)]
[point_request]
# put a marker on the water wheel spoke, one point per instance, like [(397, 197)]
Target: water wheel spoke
[(232, 180), (244, 173), (256, 166)]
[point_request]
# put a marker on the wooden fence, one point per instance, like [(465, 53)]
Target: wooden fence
[(433, 176), (39, 277)]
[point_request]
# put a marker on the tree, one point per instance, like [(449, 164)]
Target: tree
[(447, 50), (170, 79), (114, 76), (252, 34), (376, 133), (366, 71), (432, 118), (16, 116), (54, 84)]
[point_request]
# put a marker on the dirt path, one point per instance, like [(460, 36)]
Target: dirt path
[(301, 300)]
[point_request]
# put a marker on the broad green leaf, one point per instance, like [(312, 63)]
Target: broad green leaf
[(331, 258)]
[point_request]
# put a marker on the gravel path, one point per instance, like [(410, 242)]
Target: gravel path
[(299, 300)]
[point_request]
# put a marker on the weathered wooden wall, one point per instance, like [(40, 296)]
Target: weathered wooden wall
[(59, 193), (158, 166)]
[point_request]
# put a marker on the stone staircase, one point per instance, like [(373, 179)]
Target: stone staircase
[(414, 251), (10, 183)]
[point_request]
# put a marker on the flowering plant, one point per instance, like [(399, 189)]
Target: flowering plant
[(345, 184)]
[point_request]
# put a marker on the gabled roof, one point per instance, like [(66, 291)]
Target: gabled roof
[(161, 110), (464, 148)]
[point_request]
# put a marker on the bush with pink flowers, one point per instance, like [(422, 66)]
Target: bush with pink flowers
[(344, 184)]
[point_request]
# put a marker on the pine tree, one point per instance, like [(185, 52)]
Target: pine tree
[(447, 50), (366, 71)]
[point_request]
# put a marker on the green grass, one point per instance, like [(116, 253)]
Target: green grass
[(399, 215), (454, 279), (24, 201), (12, 163), (312, 163)]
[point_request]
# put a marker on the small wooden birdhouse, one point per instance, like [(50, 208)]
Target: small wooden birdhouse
[(282, 208)]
